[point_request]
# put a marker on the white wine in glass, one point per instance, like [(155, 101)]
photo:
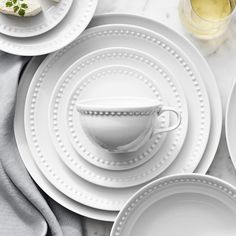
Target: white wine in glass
[(206, 19)]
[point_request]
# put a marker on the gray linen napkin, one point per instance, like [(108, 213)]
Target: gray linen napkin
[(24, 209)]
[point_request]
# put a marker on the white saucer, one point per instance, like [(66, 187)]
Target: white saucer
[(52, 14), (230, 126), (28, 160), (111, 80), (180, 205), (73, 24)]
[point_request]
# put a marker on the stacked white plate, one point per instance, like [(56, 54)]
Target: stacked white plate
[(118, 55), (56, 26)]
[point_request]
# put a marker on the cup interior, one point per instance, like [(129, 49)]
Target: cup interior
[(118, 104)]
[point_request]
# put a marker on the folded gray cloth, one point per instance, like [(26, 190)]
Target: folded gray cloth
[(24, 209)]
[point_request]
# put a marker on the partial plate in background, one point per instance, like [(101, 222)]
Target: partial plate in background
[(51, 15), (230, 124), (76, 20), (180, 205)]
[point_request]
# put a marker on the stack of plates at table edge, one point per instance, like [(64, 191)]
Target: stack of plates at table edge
[(59, 23), (118, 55)]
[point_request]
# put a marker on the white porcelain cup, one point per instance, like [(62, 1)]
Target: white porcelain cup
[(124, 124)]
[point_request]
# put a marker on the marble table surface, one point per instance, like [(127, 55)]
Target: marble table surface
[(221, 56)]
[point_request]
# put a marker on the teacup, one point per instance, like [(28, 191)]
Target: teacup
[(122, 124)]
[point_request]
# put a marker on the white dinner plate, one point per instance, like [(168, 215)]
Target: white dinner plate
[(28, 160), (203, 68), (70, 27), (64, 90), (180, 205), (230, 124), (51, 15)]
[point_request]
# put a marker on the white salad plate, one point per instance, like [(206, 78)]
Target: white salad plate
[(31, 166), (203, 68), (119, 77), (52, 14), (180, 205), (73, 24), (230, 119)]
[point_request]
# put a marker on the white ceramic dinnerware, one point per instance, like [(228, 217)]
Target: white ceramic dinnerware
[(52, 14), (73, 24), (230, 119), (29, 161), (122, 124), (179, 205), (79, 71)]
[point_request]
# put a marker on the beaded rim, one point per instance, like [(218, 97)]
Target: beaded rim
[(116, 113), (157, 42), (161, 184)]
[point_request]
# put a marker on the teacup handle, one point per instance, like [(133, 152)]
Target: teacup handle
[(170, 128)]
